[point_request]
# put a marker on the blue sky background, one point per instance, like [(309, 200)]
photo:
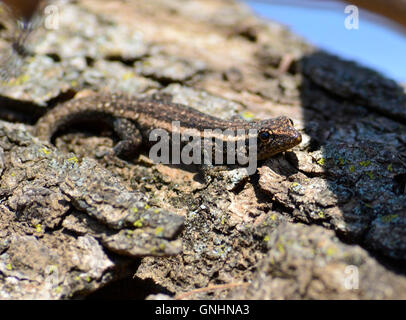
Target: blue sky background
[(373, 44)]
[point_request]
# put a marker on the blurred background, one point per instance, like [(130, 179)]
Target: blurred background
[(377, 43)]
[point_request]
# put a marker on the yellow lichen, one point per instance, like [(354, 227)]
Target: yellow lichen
[(138, 223), (45, 151), (331, 251), (159, 231), (52, 269), (321, 214), (295, 186), (280, 247), (370, 174), (128, 75), (19, 81), (389, 218), (73, 159), (38, 228), (365, 163), (247, 115), (321, 161)]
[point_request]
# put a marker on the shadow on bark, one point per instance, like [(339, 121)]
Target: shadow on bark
[(355, 119)]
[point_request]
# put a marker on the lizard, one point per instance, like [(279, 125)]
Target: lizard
[(133, 120)]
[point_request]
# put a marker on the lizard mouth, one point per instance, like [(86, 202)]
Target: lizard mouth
[(293, 141), (296, 140)]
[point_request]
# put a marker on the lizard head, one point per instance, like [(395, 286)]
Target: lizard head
[(275, 135)]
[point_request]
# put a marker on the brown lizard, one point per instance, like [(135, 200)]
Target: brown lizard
[(133, 120)]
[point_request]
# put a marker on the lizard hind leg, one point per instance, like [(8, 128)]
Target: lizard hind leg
[(130, 138)]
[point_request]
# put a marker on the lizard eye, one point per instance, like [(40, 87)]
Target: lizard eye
[(291, 122), (264, 136)]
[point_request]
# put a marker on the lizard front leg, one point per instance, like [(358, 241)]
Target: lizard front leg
[(130, 138)]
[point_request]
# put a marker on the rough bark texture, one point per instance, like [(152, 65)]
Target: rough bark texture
[(325, 220)]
